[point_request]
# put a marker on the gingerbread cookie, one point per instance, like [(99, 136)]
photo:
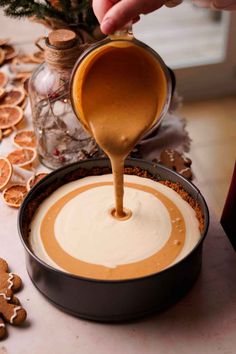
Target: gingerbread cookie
[(10, 309), (8, 280), (2, 329), (177, 162)]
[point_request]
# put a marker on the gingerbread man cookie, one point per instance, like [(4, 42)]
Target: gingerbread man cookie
[(8, 280), (10, 309), (177, 162)]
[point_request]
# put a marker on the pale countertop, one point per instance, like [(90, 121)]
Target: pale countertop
[(203, 322)]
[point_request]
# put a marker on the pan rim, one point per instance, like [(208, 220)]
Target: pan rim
[(110, 281)]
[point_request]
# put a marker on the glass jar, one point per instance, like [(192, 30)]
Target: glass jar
[(121, 38), (61, 138)]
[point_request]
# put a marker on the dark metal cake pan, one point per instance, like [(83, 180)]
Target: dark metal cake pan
[(109, 300)]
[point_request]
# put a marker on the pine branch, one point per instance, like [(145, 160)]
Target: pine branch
[(65, 5), (67, 10), (86, 15), (79, 14), (16, 8), (42, 11), (4, 2), (23, 8), (90, 19)]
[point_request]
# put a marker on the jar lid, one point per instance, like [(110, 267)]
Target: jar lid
[(62, 38)]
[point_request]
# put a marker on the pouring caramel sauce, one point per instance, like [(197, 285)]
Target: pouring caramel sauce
[(119, 90)]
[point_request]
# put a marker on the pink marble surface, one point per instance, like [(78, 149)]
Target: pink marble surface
[(203, 322)]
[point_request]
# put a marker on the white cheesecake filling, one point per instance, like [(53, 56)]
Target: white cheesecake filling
[(86, 231)]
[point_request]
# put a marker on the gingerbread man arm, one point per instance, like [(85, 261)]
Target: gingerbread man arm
[(15, 300), (11, 313), (177, 162), (3, 266), (8, 280), (3, 330)]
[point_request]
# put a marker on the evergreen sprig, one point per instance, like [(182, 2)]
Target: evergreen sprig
[(82, 15)]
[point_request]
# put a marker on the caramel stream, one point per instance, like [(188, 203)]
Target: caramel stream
[(119, 92)]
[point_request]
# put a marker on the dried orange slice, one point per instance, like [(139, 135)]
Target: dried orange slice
[(5, 172), (2, 56), (32, 181), (10, 116), (2, 92), (6, 132), (22, 76), (25, 138), (26, 86), (37, 57), (13, 97), (14, 195), (24, 104), (3, 41), (22, 157), (3, 79), (23, 59), (10, 51)]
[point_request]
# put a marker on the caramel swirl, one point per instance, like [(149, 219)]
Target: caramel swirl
[(158, 261), (119, 92)]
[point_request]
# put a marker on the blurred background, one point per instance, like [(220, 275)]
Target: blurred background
[(200, 46)]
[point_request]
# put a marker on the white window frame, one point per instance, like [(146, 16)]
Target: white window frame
[(212, 79)]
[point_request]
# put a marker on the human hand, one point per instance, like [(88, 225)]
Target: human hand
[(114, 14), (217, 4)]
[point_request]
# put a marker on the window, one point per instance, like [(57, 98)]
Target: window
[(199, 44)]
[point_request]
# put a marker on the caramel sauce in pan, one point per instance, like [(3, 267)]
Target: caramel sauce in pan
[(157, 262)]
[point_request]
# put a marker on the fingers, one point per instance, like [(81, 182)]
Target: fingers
[(217, 4), (114, 14), (173, 3), (224, 4), (124, 11), (136, 19), (100, 7)]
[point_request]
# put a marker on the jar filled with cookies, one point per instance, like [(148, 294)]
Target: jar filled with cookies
[(61, 138)]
